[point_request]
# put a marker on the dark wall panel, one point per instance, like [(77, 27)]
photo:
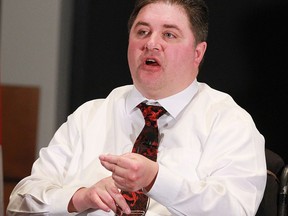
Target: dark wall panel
[(246, 57)]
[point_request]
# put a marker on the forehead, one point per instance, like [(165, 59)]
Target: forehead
[(163, 14)]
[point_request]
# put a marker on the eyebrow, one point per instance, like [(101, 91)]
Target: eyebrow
[(168, 26), (140, 23), (171, 26)]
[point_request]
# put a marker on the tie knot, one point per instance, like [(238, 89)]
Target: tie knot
[(151, 112)]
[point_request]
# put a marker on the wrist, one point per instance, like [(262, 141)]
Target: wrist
[(74, 204), (149, 186)]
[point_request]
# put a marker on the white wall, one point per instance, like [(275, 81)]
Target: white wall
[(35, 39)]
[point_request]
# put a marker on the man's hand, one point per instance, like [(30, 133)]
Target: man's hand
[(103, 195), (131, 171)]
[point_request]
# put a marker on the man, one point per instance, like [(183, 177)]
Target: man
[(210, 158)]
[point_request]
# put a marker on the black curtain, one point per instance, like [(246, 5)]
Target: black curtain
[(246, 57), (100, 41)]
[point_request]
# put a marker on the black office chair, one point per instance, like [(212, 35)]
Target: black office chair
[(275, 198), (283, 195)]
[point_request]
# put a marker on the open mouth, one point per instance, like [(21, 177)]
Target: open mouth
[(151, 62)]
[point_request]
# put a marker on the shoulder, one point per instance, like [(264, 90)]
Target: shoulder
[(116, 94), (211, 94), (102, 105), (219, 103)]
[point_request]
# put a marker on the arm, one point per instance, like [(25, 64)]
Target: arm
[(69, 162), (231, 175), (43, 191)]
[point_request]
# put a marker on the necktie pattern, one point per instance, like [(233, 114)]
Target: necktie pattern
[(147, 145)]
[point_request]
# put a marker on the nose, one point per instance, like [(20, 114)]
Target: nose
[(153, 43), (152, 46)]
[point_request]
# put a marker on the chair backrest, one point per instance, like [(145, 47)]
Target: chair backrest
[(270, 205), (19, 122)]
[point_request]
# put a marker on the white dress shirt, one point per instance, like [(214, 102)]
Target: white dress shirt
[(211, 155)]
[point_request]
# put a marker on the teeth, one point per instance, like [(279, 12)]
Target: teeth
[(150, 61)]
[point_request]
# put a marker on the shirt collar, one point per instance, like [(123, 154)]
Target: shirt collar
[(173, 104)]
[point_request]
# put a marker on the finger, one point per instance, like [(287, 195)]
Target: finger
[(118, 168), (122, 161), (108, 166), (103, 205), (104, 198), (120, 182), (97, 201), (115, 169), (112, 159), (120, 202)]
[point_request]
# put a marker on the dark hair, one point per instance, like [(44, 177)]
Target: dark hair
[(196, 10)]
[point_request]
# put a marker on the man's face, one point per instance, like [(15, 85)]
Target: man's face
[(162, 54)]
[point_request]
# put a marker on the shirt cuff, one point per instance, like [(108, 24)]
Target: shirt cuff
[(165, 179), (60, 199)]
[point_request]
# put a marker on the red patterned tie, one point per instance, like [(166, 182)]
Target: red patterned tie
[(147, 145)]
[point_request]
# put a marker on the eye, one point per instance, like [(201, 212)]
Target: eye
[(142, 33), (169, 35)]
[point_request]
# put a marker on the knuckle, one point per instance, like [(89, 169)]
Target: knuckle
[(133, 177), (109, 201)]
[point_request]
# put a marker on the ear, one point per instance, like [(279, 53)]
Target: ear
[(199, 52)]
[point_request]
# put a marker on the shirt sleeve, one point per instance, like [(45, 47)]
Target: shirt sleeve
[(44, 191), (231, 173)]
